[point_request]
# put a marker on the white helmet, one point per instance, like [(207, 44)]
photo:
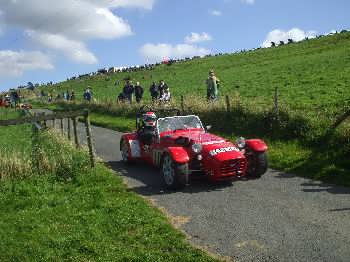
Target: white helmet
[(149, 119)]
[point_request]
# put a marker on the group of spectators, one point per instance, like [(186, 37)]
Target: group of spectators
[(160, 92), (65, 96), (11, 99)]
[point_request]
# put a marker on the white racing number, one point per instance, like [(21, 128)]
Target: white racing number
[(135, 148), (223, 150)]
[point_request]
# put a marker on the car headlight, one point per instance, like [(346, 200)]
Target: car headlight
[(197, 148), (240, 142)]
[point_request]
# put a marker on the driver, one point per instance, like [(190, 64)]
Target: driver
[(147, 129)]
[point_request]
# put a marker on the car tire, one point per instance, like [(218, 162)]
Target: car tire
[(175, 175), (124, 152), (259, 165)]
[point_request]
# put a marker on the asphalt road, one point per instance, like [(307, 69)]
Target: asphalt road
[(279, 217)]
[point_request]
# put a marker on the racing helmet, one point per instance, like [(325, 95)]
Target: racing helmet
[(149, 119)]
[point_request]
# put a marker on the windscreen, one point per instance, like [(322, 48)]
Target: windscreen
[(178, 123)]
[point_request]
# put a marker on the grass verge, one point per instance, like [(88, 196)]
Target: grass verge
[(69, 212)]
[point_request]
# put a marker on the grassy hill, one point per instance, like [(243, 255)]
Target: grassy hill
[(311, 75)]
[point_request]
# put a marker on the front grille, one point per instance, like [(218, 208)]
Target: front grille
[(233, 167)]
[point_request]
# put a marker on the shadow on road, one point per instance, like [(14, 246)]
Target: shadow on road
[(339, 209), (315, 186), (147, 181)]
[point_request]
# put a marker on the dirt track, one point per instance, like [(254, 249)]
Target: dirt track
[(279, 217)]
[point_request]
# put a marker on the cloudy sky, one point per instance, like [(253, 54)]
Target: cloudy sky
[(45, 40)]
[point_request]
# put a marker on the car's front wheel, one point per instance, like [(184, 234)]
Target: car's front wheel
[(175, 175), (258, 164)]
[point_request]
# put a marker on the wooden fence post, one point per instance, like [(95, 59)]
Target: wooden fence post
[(228, 104), (68, 128), (276, 109), (276, 123), (45, 124), (76, 140), (89, 138), (35, 149), (61, 126), (182, 104)]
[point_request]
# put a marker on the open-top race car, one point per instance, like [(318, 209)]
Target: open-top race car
[(182, 148)]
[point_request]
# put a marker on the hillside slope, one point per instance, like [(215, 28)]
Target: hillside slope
[(310, 73)]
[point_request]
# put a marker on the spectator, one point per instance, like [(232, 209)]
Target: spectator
[(162, 86), (72, 96), (212, 86), (128, 90), (88, 95), (121, 98), (154, 91), (66, 95), (138, 92), (165, 98)]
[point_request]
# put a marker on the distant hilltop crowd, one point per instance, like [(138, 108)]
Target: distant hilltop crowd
[(169, 62)]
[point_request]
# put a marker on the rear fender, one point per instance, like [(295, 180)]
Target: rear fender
[(178, 154), (256, 145)]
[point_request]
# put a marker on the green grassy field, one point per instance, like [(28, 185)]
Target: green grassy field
[(69, 212), (312, 75)]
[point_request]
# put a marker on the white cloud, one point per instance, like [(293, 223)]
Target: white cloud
[(215, 12), (158, 52), (70, 22), (145, 4), (249, 2), (16, 63), (74, 50), (278, 35), (196, 38)]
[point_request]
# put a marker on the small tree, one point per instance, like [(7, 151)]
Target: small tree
[(290, 41), (281, 43), (273, 44)]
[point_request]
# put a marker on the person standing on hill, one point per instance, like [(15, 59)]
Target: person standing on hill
[(72, 96), (212, 86), (162, 86), (128, 90), (154, 91), (87, 95), (138, 92), (165, 98)]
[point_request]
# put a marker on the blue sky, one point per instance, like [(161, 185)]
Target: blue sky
[(43, 41)]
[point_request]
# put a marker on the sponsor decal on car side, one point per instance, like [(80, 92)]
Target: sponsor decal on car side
[(223, 150)]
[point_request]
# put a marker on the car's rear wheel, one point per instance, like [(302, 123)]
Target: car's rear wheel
[(124, 151), (258, 164), (175, 175)]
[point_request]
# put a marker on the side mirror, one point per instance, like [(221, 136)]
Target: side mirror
[(207, 128)]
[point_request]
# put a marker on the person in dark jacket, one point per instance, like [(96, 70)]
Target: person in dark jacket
[(138, 92), (154, 91), (128, 90)]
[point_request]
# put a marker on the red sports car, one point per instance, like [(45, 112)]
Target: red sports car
[(181, 147)]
